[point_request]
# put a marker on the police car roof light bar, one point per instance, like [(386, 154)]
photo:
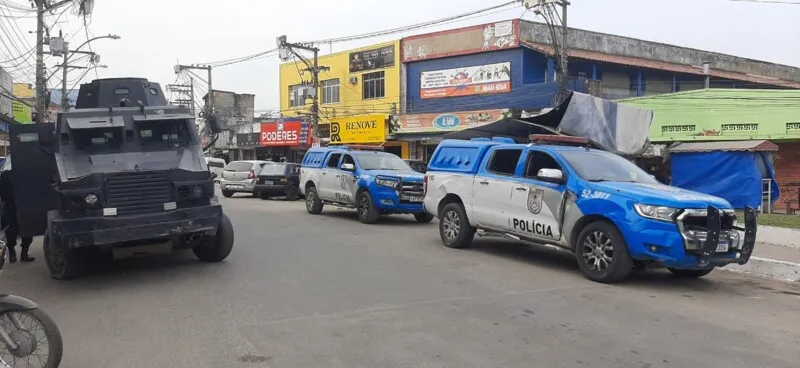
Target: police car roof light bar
[(558, 139)]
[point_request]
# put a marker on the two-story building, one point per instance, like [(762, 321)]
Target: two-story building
[(357, 94), (473, 75)]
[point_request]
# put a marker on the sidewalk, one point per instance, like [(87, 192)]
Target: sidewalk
[(776, 255)]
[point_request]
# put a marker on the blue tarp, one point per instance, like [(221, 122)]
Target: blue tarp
[(734, 176)]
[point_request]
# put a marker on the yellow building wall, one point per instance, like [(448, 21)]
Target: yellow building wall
[(24, 90), (351, 101)]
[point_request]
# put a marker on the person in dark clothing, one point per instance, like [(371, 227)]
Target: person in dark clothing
[(8, 217)]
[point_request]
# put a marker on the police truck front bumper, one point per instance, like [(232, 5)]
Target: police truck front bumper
[(108, 230), (697, 240)]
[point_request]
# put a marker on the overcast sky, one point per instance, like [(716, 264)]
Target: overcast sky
[(158, 33)]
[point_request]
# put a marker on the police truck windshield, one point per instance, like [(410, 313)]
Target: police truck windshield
[(381, 161), (597, 166)]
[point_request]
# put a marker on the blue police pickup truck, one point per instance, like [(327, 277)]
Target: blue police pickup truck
[(375, 183), (612, 215)]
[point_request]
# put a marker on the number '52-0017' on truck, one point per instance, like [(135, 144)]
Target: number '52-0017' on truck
[(612, 215), (375, 183)]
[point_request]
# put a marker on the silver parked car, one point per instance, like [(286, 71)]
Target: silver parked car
[(240, 177)]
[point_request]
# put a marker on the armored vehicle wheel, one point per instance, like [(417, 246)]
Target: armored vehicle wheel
[(63, 264), (227, 194), (423, 217), (367, 211), (602, 253), (218, 247), (292, 193), (690, 274), (313, 203), (454, 226)]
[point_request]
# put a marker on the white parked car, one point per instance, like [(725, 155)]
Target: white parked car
[(240, 177)]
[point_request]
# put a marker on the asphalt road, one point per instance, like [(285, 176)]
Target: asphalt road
[(326, 291)]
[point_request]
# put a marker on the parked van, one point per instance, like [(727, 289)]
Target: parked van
[(215, 165)]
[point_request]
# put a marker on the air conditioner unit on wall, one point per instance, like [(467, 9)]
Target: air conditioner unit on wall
[(353, 80)]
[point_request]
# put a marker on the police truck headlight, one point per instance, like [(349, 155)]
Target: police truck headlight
[(660, 213), (386, 182), (90, 198)]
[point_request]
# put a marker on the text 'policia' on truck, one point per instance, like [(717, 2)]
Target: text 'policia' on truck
[(122, 174)]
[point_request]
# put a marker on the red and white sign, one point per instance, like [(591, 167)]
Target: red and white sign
[(467, 81), (286, 133)]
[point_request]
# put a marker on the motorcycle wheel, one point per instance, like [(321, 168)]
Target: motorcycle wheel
[(34, 322)]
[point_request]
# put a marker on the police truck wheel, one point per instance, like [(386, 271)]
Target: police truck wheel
[(602, 253), (292, 193), (367, 211), (219, 246), (690, 274), (227, 193), (454, 228), (313, 203), (63, 264), (423, 217)]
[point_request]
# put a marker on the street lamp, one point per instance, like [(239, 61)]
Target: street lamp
[(65, 65)]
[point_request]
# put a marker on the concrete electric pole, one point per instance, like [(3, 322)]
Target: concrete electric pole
[(546, 8), (42, 6), (41, 94), (286, 50)]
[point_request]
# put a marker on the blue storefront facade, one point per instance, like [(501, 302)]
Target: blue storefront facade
[(472, 75)]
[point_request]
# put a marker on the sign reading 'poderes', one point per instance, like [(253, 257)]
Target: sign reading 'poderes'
[(359, 129)]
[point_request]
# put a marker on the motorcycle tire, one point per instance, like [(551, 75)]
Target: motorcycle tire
[(51, 332)]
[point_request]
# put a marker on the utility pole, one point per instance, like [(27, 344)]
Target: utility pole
[(210, 104), (64, 71), (41, 94), (564, 70), (547, 9), (287, 49), (41, 79)]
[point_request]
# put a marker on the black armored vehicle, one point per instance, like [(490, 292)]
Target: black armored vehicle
[(122, 173)]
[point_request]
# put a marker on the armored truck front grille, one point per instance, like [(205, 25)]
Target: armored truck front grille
[(138, 193)]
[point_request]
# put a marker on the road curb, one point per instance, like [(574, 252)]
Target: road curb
[(768, 268)]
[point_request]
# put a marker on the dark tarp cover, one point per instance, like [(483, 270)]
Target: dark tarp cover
[(734, 176), (608, 125)]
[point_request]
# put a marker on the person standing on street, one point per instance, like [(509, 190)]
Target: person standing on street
[(8, 216)]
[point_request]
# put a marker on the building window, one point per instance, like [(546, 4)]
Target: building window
[(330, 91), (374, 85), (296, 97)]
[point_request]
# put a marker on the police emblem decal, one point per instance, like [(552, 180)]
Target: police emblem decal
[(535, 200)]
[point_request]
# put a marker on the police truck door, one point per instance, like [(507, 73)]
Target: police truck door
[(346, 188), (328, 181), (536, 201), (492, 188)]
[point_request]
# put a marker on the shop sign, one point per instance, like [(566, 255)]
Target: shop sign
[(431, 123), (359, 129), (462, 41), (248, 139), (284, 133), (472, 80), (372, 59), (22, 112)]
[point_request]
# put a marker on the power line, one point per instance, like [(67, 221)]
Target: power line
[(768, 2), (440, 21)]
